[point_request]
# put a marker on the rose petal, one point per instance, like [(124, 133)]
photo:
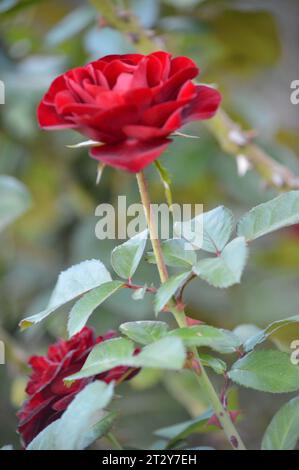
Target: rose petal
[(139, 79), (114, 69), (158, 114), (140, 97), (79, 91), (59, 84), (188, 91), (109, 99), (154, 71), (145, 132), (132, 58), (179, 63), (49, 119), (123, 82), (169, 90), (130, 155), (164, 58), (204, 105)]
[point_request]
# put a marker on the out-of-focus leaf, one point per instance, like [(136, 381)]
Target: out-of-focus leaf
[(83, 412), (200, 448), (147, 378), (84, 307), (146, 10), (101, 428), (71, 283), (183, 3), (80, 423), (267, 371), (14, 200), (70, 25), (126, 257), (180, 431), (13, 6), (283, 431), (270, 216), (246, 331), (249, 39), (46, 439), (281, 332), (224, 270), (183, 387)]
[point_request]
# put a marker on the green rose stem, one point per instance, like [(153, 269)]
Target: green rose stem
[(202, 377), (111, 437)]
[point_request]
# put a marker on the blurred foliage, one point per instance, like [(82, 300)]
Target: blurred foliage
[(249, 50)]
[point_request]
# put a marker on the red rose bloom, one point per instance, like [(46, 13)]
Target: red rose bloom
[(130, 103), (48, 395)]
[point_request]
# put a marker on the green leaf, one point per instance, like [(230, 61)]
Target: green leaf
[(72, 283), (70, 26), (46, 439), (200, 448), (218, 366), (105, 356), (83, 412), (246, 331), (84, 307), (177, 253), (144, 332), (78, 424), (224, 270), (223, 341), (267, 371), (216, 226), (139, 294), (14, 200), (126, 257), (167, 353), (281, 211), (168, 289), (182, 430), (280, 332), (283, 431), (165, 178), (101, 428)]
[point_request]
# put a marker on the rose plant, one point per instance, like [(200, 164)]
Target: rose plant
[(130, 106)]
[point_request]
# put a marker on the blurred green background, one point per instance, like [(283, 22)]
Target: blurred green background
[(249, 48)]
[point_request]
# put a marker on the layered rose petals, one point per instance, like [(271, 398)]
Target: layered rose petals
[(130, 103), (48, 395)]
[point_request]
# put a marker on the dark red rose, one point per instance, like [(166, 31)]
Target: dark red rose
[(130, 103), (48, 395)]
